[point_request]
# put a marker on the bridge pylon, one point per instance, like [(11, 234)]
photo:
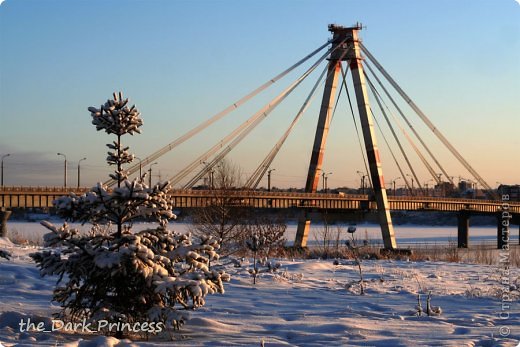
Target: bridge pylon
[(346, 48)]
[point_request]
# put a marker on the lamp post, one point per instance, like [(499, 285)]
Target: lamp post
[(140, 168), (150, 174), (212, 179), (474, 187), (393, 183), (4, 156), (64, 170), (426, 185), (79, 170), (412, 190), (440, 185), (211, 175), (325, 177), (269, 179), (362, 175)]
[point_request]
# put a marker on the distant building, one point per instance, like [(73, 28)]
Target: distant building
[(444, 189), (512, 190), (465, 186)]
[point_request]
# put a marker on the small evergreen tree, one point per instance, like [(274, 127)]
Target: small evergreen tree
[(113, 273)]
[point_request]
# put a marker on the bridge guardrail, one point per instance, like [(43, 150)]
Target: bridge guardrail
[(20, 190), (46, 189), (267, 194), (327, 196)]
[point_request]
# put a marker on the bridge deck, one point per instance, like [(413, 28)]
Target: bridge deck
[(42, 197)]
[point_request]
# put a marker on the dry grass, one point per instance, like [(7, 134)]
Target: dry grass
[(477, 254), (18, 239)]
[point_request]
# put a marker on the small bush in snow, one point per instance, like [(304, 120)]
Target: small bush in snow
[(112, 273), (354, 250), (272, 233), (266, 237), (432, 310), (256, 244)]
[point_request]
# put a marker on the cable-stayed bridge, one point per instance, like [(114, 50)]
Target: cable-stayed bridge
[(344, 54)]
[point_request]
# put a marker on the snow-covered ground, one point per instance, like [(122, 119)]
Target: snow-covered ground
[(306, 303)]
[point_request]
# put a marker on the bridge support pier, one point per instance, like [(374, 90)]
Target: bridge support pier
[(463, 230), (302, 234), (346, 44), (4, 216)]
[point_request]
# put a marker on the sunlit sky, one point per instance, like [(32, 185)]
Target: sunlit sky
[(181, 62)]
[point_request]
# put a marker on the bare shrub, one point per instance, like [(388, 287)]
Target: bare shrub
[(452, 252), (354, 250), (272, 231), (224, 218), (483, 255), (328, 242)]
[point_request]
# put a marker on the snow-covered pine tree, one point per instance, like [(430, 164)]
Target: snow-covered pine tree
[(113, 273)]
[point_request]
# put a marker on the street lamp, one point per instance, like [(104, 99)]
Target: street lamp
[(140, 168), (4, 156), (426, 185), (150, 174), (212, 178), (325, 177), (441, 185), (412, 192), (269, 179), (210, 174), (362, 174), (64, 170), (393, 182), (79, 170)]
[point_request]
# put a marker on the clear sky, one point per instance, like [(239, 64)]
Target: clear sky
[(182, 61)]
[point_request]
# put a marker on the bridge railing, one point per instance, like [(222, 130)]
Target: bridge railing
[(254, 193), (39, 196), (436, 198), (249, 193), (283, 194), (39, 189)]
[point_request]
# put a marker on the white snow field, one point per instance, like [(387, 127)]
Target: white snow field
[(306, 303)]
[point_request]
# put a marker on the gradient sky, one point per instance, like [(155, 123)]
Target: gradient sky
[(182, 61)]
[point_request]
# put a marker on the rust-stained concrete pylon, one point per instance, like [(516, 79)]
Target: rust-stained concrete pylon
[(347, 42)]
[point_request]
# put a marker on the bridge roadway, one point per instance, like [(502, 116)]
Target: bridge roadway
[(42, 197)]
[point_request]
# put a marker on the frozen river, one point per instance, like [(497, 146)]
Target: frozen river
[(405, 234)]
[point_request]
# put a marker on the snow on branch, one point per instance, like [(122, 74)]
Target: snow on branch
[(115, 117), (133, 276)]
